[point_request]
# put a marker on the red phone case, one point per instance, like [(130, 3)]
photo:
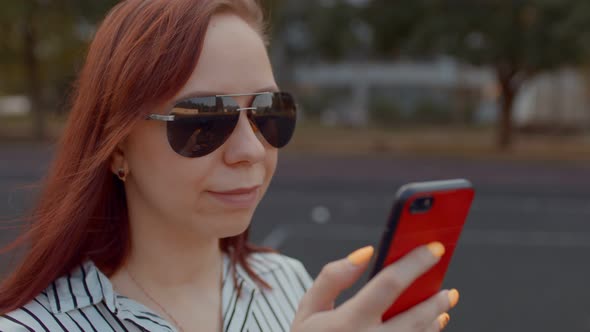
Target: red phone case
[(407, 230)]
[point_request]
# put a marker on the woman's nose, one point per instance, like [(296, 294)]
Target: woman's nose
[(244, 144)]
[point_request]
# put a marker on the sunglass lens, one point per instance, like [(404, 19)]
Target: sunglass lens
[(201, 125), (275, 117)]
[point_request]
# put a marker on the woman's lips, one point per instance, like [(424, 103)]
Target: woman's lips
[(237, 198)]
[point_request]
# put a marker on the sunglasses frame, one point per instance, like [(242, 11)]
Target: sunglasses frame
[(272, 139), (167, 118)]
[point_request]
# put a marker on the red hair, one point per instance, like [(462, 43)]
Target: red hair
[(142, 55)]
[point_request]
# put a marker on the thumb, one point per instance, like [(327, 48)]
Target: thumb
[(332, 280)]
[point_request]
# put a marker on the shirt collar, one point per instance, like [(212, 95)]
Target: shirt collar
[(83, 286), (86, 285)]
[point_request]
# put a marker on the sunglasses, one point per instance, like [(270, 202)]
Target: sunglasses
[(198, 126)]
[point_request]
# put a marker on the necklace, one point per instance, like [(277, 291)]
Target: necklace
[(154, 301)]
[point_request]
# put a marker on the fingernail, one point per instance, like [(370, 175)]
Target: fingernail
[(443, 320), (361, 256), (437, 249), (453, 297)]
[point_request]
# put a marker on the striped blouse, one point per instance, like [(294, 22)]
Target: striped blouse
[(84, 300)]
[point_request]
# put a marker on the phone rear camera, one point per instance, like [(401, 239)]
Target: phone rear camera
[(422, 205)]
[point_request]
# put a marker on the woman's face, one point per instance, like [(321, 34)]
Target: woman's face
[(182, 194)]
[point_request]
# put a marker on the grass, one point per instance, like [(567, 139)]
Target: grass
[(441, 141), (20, 127)]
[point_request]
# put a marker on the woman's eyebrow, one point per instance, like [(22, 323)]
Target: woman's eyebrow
[(194, 94)]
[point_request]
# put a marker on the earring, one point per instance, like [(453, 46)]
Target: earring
[(121, 174)]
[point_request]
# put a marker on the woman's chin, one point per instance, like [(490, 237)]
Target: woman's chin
[(235, 229), (231, 226), (220, 224)]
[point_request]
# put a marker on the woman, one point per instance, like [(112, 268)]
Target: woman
[(143, 223)]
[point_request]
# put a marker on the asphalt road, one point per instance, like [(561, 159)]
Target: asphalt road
[(523, 262)]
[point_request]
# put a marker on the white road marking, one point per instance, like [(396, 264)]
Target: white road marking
[(320, 214), (276, 238)]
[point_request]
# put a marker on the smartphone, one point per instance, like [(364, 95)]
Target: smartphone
[(422, 213)]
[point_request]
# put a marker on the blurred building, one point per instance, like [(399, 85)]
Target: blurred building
[(552, 101), (403, 88), (14, 105), (351, 93)]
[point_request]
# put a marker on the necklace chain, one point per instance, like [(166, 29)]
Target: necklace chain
[(154, 301)]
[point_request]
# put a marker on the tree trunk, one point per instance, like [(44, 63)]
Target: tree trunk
[(31, 63), (509, 90), (505, 124)]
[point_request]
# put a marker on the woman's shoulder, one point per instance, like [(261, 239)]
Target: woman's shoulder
[(65, 303), (33, 316)]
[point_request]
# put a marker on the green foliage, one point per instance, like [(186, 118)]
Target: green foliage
[(517, 38), (524, 35), (333, 30), (320, 30), (62, 30), (529, 35), (393, 24)]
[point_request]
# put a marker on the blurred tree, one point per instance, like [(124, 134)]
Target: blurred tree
[(517, 38), (393, 24), (42, 45), (321, 30), (311, 32)]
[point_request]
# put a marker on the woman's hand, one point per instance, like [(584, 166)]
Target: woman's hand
[(363, 312)]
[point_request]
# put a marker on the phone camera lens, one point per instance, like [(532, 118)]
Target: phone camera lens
[(422, 205)]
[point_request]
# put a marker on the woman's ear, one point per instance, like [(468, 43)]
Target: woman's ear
[(118, 160)]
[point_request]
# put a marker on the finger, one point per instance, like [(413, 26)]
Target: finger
[(332, 280), (439, 323), (422, 315), (374, 299)]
